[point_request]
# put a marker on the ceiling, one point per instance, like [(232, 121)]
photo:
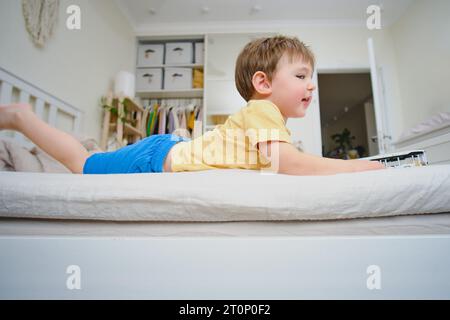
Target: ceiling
[(338, 91), (141, 13)]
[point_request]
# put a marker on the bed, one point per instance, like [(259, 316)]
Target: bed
[(222, 234)]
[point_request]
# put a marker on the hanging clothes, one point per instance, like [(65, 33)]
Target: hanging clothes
[(162, 121), (176, 119), (183, 119), (191, 120), (149, 121), (152, 119), (156, 121), (183, 125), (198, 124), (173, 115), (172, 119)]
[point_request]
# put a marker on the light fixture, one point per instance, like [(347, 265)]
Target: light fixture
[(346, 109), (335, 118), (205, 10), (256, 8)]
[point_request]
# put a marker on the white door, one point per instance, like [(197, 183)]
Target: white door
[(371, 128), (382, 130)]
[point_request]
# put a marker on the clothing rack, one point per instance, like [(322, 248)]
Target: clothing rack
[(183, 117)]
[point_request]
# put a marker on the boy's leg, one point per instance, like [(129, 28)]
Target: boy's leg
[(58, 144)]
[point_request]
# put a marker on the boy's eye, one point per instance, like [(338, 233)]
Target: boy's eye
[(301, 77)]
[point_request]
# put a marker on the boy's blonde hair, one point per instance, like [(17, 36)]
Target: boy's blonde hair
[(263, 55)]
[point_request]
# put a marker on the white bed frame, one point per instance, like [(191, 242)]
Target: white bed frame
[(436, 144), (367, 267), (47, 107), (343, 267)]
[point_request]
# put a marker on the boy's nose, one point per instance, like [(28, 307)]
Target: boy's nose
[(311, 86)]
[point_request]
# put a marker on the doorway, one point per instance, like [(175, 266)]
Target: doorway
[(347, 116)]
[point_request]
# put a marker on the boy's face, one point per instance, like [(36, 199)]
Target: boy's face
[(292, 87)]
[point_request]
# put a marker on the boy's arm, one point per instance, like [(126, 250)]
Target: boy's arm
[(293, 162)]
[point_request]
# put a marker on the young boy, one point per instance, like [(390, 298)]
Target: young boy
[(272, 74)]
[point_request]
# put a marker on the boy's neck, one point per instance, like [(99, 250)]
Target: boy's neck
[(265, 99)]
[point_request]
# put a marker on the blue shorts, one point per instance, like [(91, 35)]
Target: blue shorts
[(146, 155)]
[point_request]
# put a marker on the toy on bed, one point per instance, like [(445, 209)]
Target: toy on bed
[(405, 159)]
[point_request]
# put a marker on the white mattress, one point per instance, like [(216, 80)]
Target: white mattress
[(421, 224), (225, 195)]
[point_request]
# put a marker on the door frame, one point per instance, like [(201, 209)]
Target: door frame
[(379, 98), (331, 70)]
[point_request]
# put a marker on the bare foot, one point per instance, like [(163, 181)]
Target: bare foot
[(10, 115)]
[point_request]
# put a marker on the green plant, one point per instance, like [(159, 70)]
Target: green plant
[(115, 111), (343, 140)]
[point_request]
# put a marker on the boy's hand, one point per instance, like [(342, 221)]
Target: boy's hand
[(365, 165)]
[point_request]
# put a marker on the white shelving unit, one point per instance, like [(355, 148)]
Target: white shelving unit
[(189, 65), (185, 93), (173, 94)]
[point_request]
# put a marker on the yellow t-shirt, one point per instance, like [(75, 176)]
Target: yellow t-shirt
[(233, 145)]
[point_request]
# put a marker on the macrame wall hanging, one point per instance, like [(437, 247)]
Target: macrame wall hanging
[(40, 19)]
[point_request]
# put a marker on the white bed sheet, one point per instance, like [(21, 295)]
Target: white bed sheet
[(225, 195)]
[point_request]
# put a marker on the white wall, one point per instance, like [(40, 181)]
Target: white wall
[(76, 66), (421, 39)]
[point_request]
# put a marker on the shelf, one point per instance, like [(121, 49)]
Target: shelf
[(190, 65), (188, 93), (144, 38), (127, 128), (132, 105)]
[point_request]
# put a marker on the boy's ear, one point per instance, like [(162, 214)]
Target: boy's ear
[(261, 83)]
